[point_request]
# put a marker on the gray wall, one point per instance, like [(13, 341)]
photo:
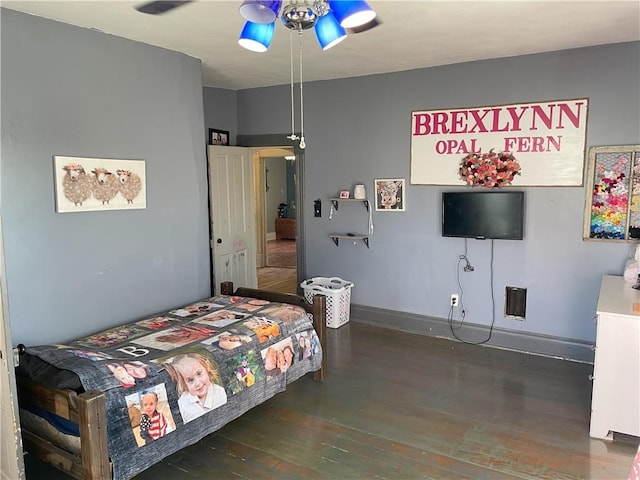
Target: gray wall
[(358, 129), (78, 92), (220, 111), (72, 91)]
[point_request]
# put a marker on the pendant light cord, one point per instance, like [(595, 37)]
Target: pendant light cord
[(293, 135), (302, 143), (293, 128)]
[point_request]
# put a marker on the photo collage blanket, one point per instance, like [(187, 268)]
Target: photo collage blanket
[(173, 378)]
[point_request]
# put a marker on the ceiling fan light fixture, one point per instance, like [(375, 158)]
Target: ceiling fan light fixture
[(352, 13), (298, 16), (260, 11), (256, 36), (328, 31), (330, 20)]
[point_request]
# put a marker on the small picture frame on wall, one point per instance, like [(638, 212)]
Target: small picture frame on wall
[(390, 196), (218, 137), (344, 193)]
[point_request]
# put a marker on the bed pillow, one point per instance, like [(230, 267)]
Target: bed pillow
[(46, 374)]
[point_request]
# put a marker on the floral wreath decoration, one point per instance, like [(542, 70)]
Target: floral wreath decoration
[(489, 170)]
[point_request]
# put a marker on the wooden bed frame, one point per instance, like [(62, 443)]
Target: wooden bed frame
[(88, 409)]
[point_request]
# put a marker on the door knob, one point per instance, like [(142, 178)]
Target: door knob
[(218, 241)]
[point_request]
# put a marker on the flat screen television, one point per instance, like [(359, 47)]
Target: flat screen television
[(481, 215)]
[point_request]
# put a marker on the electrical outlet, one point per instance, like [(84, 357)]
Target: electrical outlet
[(454, 299)]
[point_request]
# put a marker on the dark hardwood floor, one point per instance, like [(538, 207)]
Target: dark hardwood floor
[(402, 406)]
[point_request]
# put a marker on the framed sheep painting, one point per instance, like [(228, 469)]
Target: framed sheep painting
[(90, 184)]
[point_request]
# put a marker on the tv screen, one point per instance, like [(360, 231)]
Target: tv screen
[(481, 215)]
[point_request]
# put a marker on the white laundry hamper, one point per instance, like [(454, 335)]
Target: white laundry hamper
[(338, 293)]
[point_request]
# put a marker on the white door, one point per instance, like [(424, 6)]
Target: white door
[(11, 462), (233, 236)]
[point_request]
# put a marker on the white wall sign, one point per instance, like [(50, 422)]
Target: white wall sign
[(548, 139)]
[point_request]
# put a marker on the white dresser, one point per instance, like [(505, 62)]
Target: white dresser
[(615, 399)]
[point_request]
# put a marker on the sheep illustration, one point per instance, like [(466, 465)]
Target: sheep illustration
[(76, 184), (104, 184), (130, 184)]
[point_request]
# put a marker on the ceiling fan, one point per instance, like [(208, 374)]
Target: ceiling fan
[(156, 8), (298, 13), (331, 20)]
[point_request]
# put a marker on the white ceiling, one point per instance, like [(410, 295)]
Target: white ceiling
[(412, 34)]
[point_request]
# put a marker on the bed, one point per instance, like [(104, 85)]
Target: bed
[(114, 403)]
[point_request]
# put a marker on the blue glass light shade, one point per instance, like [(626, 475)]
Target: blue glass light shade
[(352, 13), (328, 31), (260, 11), (256, 36)]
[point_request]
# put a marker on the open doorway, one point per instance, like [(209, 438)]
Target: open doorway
[(259, 143), (276, 218)]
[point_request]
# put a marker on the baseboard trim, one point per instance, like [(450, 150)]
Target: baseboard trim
[(525, 342)]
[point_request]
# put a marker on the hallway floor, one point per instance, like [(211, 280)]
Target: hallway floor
[(281, 253), (277, 279), (281, 274)]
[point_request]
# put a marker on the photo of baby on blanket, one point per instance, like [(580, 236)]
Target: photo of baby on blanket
[(129, 372), (230, 339), (252, 305), (90, 355), (157, 323), (109, 338), (195, 309), (175, 337), (150, 414), (120, 373), (284, 312), (229, 299), (278, 357), (198, 383), (264, 328), (139, 370), (221, 318)]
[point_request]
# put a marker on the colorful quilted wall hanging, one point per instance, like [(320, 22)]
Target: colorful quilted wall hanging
[(612, 207)]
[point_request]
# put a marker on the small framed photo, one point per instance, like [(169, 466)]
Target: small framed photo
[(344, 193), (218, 137), (390, 196)]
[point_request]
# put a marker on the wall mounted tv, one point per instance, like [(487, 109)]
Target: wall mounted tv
[(481, 215)]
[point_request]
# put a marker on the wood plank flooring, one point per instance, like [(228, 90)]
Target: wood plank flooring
[(276, 279), (281, 253), (404, 406), (280, 275)]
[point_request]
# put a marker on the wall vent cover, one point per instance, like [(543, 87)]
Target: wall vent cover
[(515, 302)]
